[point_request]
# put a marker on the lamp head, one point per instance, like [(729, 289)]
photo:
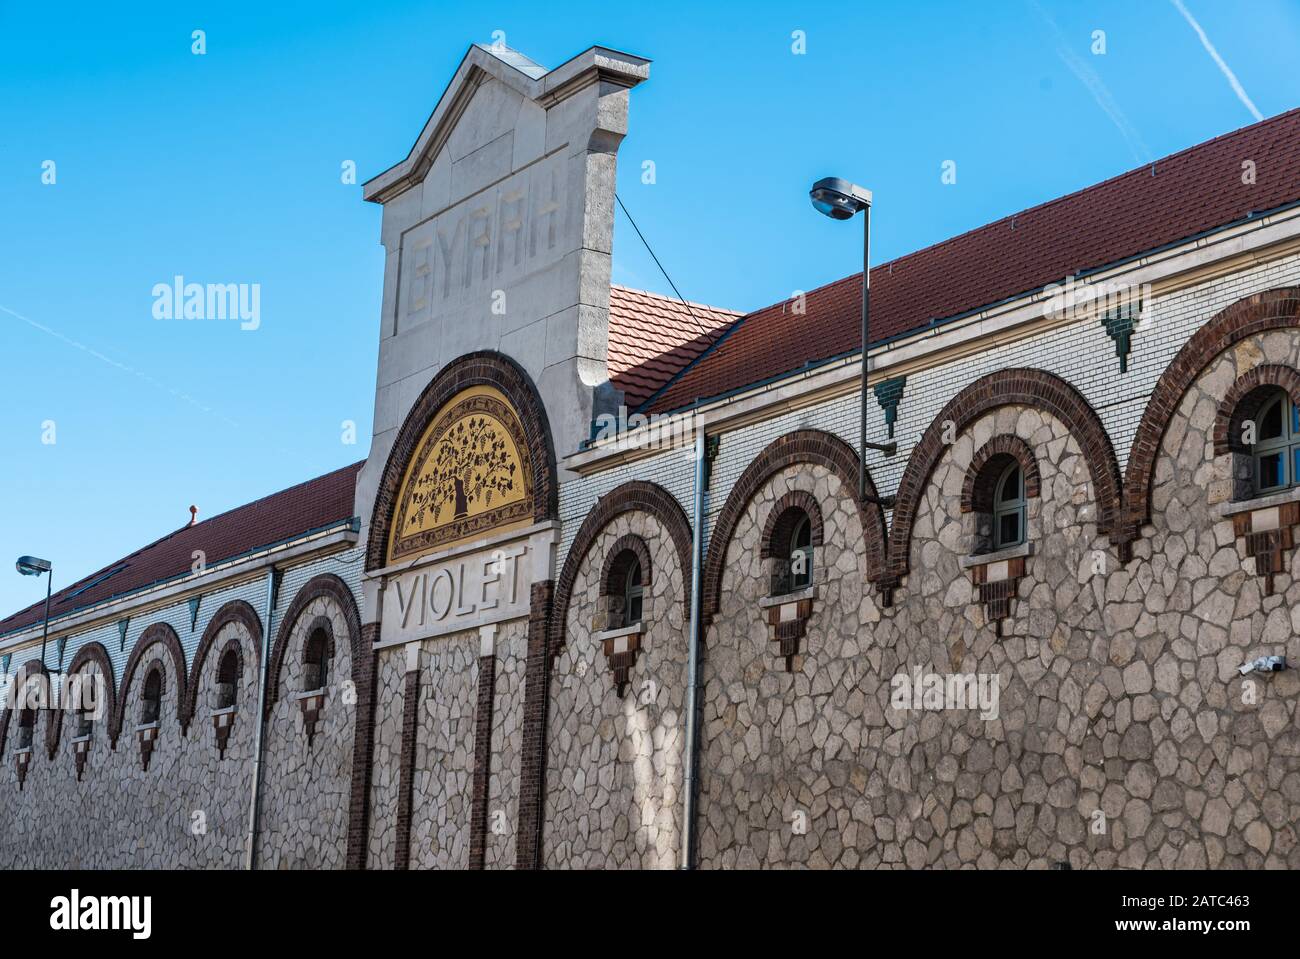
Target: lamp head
[(839, 199), (31, 566)]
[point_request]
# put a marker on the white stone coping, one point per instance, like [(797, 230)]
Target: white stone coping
[(808, 592), (1237, 507), (23, 751), (984, 559), (478, 546), (1169, 271), (141, 727), (224, 711), (308, 694), (605, 634), (80, 739)]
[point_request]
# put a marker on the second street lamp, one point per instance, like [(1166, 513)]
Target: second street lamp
[(31, 566), (842, 200)]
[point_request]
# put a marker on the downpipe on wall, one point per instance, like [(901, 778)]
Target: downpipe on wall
[(693, 662), (250, 854)]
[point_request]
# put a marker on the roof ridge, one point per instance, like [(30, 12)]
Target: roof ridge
[(673, 299)]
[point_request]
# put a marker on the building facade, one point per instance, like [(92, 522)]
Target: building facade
[(604, 593)]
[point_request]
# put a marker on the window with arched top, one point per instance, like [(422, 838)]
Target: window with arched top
[(151, 698), (227, 679), (26, 728), (791, 537), (632, 594), (315, 661), (1275, 454), (1009, 508)]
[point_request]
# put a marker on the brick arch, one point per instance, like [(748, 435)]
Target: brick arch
[(1244, 400), (157, 633), (24, 673), (778, 527), (634, 496), (1013, 387), (484, 368), (813, 447), (235, 611), (977, 489), (90, 653), (328, 585), (613, 572), (1271, 310)]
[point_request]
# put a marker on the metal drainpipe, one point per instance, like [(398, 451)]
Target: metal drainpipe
[(259, 719), (693, 665)]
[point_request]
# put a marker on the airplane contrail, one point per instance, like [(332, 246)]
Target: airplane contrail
[(1237, 88)]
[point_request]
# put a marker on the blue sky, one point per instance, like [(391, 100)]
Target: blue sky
[(225, 168)]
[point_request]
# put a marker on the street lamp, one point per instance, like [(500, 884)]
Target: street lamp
[(31, 566), (842, 200)]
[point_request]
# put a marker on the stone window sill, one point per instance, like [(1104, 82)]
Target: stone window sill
[(23, 751), (225, 711), (80, 739), (984, 559), (1236, 507), (808, 592), (605, 634), (142, 727), (312, 692)]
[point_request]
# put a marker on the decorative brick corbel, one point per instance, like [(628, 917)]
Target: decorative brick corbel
[(313, 705), (147, 734), (22, 760), (788, 616), (80, 753), (223, 721), (996, 577), (1269, 534)]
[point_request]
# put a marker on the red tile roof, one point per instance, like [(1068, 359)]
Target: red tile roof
[(1174, 199), (651, 337), (312, 505)]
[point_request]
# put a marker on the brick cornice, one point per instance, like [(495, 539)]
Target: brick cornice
[(484, 368), (813, 447), (634, 496), (157, 633), (235, 611), (1270, 310), (1037, 389)]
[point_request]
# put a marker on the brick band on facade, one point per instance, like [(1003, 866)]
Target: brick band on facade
[(532, 749), (1272, 310), (406, 767), (90, 653), (1019, 387), (813, 447), (235, 611), (481, 778), (633, 496), (155, 634), (978, 489), (1244, 400)]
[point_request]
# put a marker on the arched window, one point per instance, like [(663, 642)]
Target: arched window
[(632, 598), (1275, 454), (227, 679), (151, 699), (801, 553), (1009, 508), (26, 728), (315, 659)]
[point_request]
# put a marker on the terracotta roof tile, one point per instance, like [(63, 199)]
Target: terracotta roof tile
[(1178, 197), (651, 337), (311, 505)]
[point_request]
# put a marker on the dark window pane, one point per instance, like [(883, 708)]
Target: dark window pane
[(1295, 420), (634, 574), (802, 535), (1011, 486), (1295, 464), (1270, 471), (1270, 424), (634, 609), (1009, 529)]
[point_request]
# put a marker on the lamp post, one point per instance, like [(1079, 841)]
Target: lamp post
[(842, 200), (31, 566)]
